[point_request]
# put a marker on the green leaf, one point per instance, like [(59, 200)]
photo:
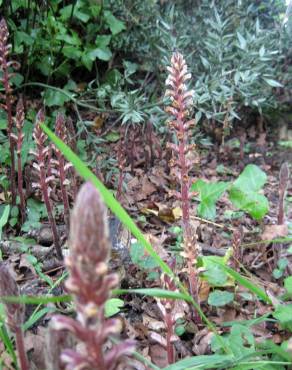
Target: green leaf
[(252, 178), (209, 194), (55, 98), (102, 40), (71, 52), (255, 204), (103, 53), (220, 298), (141, 259), (277, 273), (115, 25), (242, 41), (112, 136), (288, 284), (4, 218), (243, 193), (242, 280), (215, 275), (273, 83), (283, 313), (113, 306)]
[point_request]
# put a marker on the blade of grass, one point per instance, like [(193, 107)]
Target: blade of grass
[(37, 316), (154, 292), (36, 300), (7, 342), (202, 362)]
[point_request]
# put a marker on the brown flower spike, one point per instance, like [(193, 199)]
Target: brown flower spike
[(90, 283), (179, 109), (7, 98), (14, 312)]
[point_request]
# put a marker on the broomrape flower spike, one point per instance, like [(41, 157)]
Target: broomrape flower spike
[(179, 110), (42, 165), (90, 283), (7, 98), (14, 313)]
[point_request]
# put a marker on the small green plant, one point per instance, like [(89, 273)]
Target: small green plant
[(244, 193)]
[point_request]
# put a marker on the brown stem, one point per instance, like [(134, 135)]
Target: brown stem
[(20, 184), (9, 132), (169, 333), (23, 362), (20, 136), (63, 188), (50, 214)]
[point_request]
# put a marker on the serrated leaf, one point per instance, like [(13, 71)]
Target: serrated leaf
[(220, 298), (209, 194)]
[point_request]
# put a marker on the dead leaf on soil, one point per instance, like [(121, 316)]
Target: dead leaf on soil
[(158, 355), (274, 231)]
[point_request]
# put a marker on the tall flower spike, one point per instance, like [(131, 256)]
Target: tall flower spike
[(19, 141), (7, 98), (90, 283), (14, 312), (179, 109), (62, 167), (42, 166)]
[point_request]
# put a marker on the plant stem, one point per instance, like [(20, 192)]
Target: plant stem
[(23, 362)]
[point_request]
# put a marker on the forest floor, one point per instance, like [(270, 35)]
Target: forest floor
[(146, 197)]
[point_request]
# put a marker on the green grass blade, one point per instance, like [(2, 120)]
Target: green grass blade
[(7, 342), (37, 316), (154, 292), (36, 300), (202, 362)]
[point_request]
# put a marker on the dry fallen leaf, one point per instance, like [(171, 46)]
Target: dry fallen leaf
[(274, 231)]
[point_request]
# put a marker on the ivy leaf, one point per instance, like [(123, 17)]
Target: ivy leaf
[(256, 205), (116, 26), (102, 53), (141, 259), (220, 298), (244, 192), (252, 178), (52, 97), (209, 194)]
